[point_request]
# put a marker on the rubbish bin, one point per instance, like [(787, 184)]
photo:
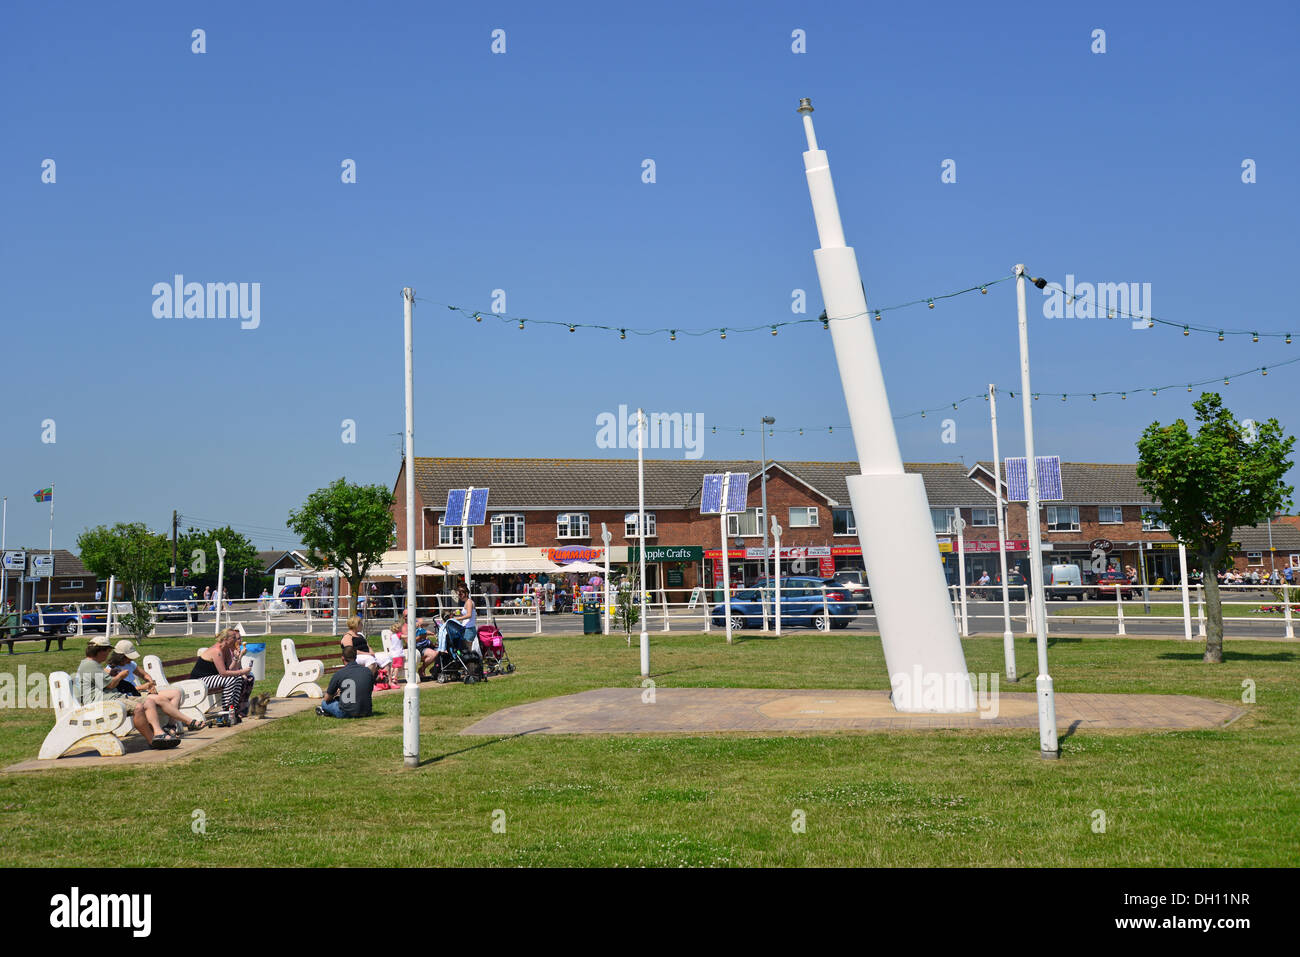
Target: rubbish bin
[(255, 652), (591, 620)]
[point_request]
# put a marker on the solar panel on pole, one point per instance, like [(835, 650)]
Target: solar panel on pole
[(737, 484), (1049, 479), (711, 495)]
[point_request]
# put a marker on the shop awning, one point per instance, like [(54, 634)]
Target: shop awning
[(377, 572)]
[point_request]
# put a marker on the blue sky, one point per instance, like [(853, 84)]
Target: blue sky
[(522, 171)]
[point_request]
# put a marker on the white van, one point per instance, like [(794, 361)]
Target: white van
[(1063, 582)]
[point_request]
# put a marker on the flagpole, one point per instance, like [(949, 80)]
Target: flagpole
[(4, 572), (49, 582)]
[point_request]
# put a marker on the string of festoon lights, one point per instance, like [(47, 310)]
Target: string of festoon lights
[(1152, 321), (722, 331), (879, 313)]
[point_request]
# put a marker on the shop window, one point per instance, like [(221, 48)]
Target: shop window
[(984, 517), (72, 583), (1151, 522), (804, 517), (573, 525), (1110, 515), (745, 524), (1254, 558), (1062, 518), (451, 534), (629, 525), (508, 529), (941, 519)]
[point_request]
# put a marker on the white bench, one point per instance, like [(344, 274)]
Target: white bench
[(100, 726), (195, 701), (299, 676)]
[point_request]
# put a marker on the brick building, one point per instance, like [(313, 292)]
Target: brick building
[(547, 511)]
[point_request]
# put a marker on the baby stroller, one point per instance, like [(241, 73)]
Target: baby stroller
[(495, 659), (460, 662)]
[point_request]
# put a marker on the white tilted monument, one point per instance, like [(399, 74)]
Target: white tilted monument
[(927, 669)]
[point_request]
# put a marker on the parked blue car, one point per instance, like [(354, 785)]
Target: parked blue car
[(801, 603), (62, 621)]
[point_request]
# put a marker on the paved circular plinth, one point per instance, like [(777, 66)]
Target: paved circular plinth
[(704, 710)]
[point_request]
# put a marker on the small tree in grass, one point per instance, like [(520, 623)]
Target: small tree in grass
[(1211, 482), (627, 609), (348, 527)]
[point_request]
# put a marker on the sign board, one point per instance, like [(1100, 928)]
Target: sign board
[(43, 566), (724, 493), (792, 552), (1049, 479), (675, 578), (667, 553), (1101, 544), (696, 594), (15, 561), (466, 506)]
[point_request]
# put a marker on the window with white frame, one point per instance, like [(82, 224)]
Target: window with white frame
[(803, 517), (745, 524), (573, 525), (984, 516), (508, 529), (1110, 515), (1062, 518), (72, 583), (1152, 522), (629, 525), (843, 522), (941, 519), (450, 534), (1254, 558)]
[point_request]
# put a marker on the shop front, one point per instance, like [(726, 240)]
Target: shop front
[(668, 566)]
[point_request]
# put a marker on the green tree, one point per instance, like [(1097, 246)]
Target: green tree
[(136, 556), (348, 527), (1211, 482), (197, 551)]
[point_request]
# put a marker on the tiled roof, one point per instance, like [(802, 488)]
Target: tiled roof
[(1286, 537), (670, 483)]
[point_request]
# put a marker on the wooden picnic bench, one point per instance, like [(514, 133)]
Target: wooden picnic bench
[(11, 630)]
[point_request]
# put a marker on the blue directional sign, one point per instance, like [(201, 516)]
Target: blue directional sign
[(468, 505), (724, 492), (1049, 478)]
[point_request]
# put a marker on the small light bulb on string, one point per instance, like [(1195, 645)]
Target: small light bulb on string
[(1186, 331), (1094, 397), (1062, 396), (1011, 395), (622, 333), (826, 325), (1263, 371), (1151, 323), (954, 405), (672, 335), (742, 433), (984, 290), (1254, 337), (1153, 391), (521, 324), (1035, 396), (830, 430), (724, 334), (801, 431), (1189, 388), (715, 430), (1225, 381), (931, 303), (1123, 395), (477, 317), (1220, 335), (771, 432), (571, 328), (923, 415), (1288, 338), (774, 330), (1110, 313), (877, 315)]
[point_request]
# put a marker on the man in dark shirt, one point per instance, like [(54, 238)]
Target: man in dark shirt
[(348, 694)]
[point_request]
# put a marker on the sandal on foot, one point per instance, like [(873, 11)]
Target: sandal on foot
[(164, 741), (197, 725)]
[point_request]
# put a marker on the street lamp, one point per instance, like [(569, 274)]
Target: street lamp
[(767, 420)]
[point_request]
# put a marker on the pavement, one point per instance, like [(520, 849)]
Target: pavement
[(706, 710)]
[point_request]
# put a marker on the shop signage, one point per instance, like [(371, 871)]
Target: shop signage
[(573, 553), (1231, 545), (668, 553), (992, 546), (793, 552), (1101, 544)]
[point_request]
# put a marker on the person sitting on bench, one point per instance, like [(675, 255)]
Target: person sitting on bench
[(92, 685), (215, 668), (348, 694)]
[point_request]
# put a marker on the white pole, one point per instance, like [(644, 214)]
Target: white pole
[(1200, 611), (464, 537), (221, 584), (726, 573), (4, 572), (960, 524), (1286, 610), (1047, 744), (1008, 640), (49, 582), (776, 537), (918, 635), (1119, 608), (411, 696), (108, 616), (1187, 610), (605, 537), (640, 531)]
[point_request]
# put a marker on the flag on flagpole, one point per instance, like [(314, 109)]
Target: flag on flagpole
[(45, 494)]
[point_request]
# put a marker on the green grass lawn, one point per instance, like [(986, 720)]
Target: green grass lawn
[(309, 791)]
